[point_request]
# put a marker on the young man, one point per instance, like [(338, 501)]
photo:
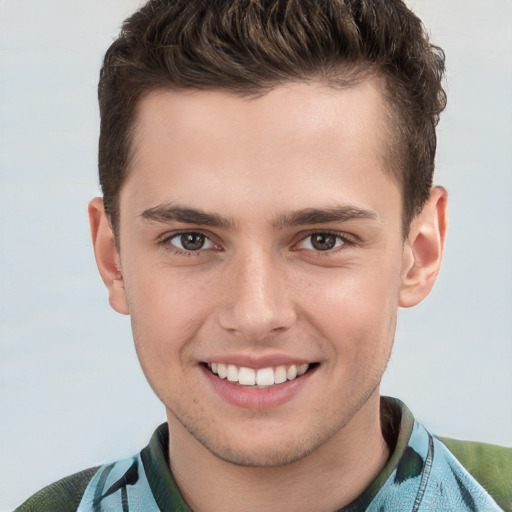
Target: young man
[(268, 205)]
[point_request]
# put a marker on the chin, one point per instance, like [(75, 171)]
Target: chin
[(262, 446), (261, 456)]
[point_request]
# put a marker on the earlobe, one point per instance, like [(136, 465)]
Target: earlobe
[(424, 248), (107, 255)]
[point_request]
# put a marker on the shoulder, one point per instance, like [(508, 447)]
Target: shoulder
[(63, 495), (490, 465), (445, 474), (114, 486)]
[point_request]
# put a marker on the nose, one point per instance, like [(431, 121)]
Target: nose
[(258, 301)]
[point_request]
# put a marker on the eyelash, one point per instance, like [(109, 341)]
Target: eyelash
[(168, 246), (345, 239)]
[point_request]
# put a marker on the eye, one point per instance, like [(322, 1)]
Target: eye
[(322, 242), (190, 241)]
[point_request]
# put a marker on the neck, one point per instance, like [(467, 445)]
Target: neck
[(327, 479)]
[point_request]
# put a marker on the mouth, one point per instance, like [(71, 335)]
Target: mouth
[(259, 378)]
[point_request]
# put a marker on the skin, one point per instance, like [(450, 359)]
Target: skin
[(260, 288)]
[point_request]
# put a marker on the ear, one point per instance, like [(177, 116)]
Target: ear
[(107, 256), (423, 250)]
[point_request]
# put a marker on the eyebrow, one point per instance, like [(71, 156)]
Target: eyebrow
[(322, 216), (168, 213)]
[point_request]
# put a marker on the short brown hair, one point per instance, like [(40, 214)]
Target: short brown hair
[(252, 46)]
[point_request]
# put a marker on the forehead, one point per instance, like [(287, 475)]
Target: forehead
[(296, 110), (298, 137)]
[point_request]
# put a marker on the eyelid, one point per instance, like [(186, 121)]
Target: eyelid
[(165, 242), (345, 238)]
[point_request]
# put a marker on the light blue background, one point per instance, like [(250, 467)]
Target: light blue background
[(72, 393)]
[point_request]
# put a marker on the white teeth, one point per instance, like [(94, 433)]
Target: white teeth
[(232, 373), (247, 376), (292, 372), (280, 375), (263, 377), (301, 370), (222, 370)]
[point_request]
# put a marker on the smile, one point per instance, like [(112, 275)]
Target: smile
[(261, 378)]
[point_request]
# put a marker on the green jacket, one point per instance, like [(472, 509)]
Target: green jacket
[(423, 474)]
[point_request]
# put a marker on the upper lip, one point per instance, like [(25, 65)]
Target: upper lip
[(257, 361)]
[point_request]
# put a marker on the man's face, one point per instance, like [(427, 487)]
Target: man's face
[(262, 234)]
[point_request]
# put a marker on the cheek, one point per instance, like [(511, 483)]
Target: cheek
[(161, 296), (355, 309), (166, 310)]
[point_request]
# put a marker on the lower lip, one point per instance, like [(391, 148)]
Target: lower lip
[(256, 398)]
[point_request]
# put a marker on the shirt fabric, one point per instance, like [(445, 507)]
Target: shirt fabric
[(421, 475)]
